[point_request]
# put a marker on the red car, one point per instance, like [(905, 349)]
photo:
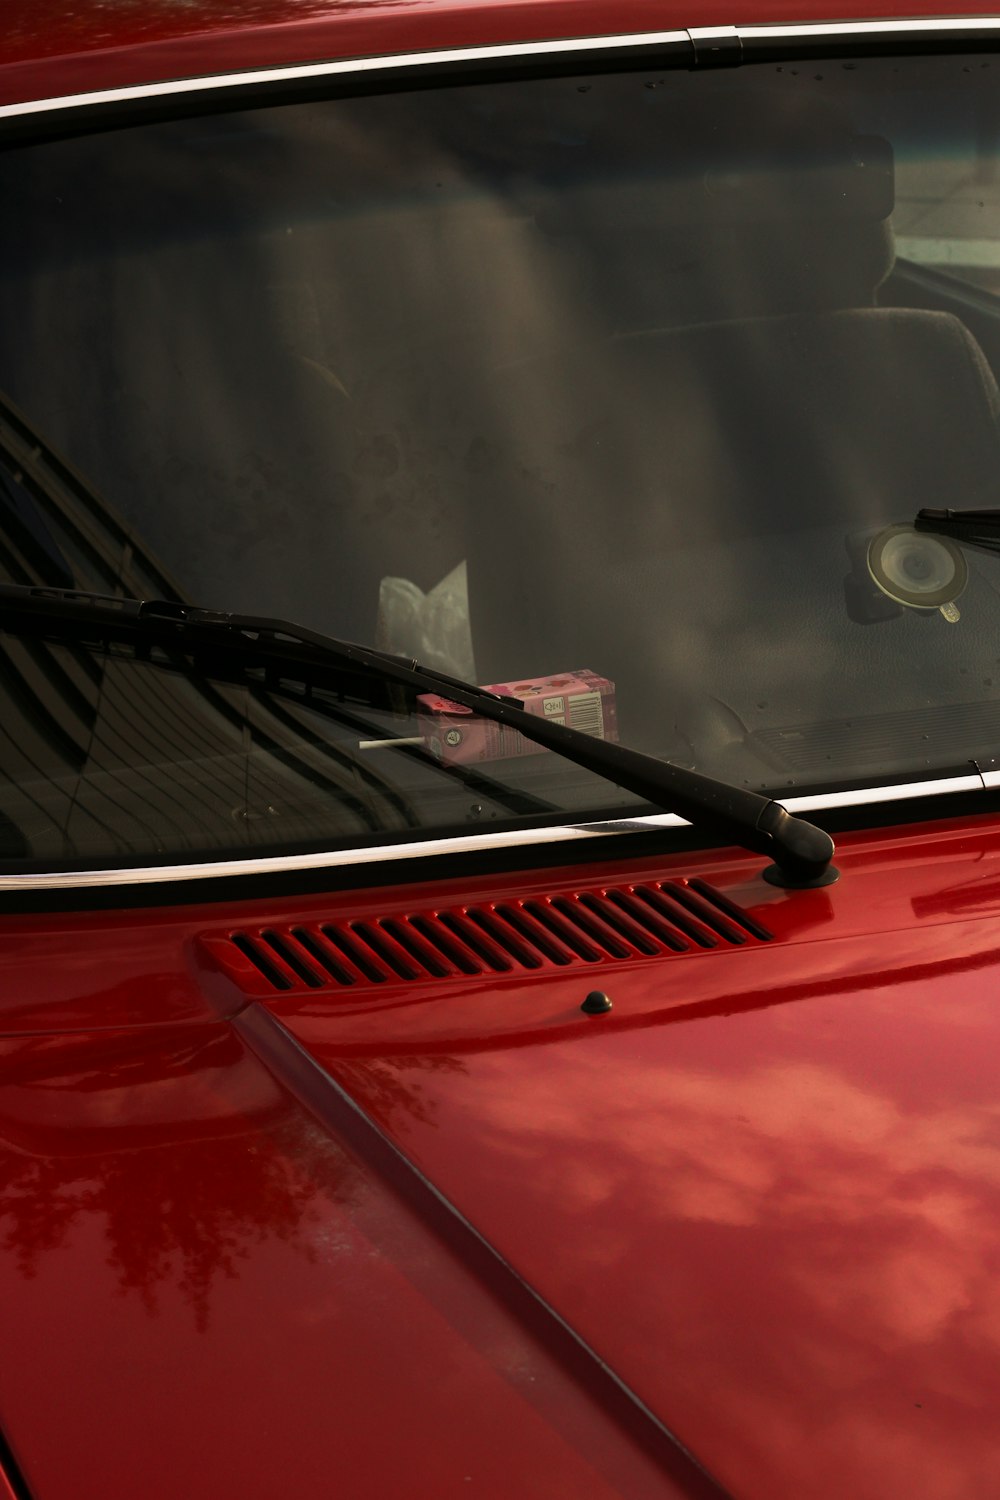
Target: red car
[(489, 493)]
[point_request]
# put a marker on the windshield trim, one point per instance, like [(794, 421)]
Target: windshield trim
[(701, 41), (750, 40), (356, 65), (434, 848), (777, 31)]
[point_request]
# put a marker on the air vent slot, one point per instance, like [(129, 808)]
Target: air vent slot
[(324, 954), (276, 975), (552, 932), (295, 958), (474, 940)]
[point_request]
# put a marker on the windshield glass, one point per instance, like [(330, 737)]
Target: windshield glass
[(623, 390)]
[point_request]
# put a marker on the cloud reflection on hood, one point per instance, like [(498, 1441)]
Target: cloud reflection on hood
[(779, 1227)]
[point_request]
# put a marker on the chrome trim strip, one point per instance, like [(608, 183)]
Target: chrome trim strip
[(301, 71), (467, 844), (326, 859), (713, 33), (809, 30), (956, 24), (870, 795)]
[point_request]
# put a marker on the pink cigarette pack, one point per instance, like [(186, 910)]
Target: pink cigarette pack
[(580, 699)]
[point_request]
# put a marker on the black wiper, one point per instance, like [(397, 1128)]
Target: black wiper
[(973, 528), (800, 851)]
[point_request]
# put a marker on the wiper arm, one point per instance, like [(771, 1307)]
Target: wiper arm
[(973, 528), (801, 852)]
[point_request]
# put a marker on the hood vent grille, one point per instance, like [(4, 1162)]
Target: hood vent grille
[(548, 932)]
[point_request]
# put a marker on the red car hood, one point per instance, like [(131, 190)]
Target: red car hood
[(460, 1238)]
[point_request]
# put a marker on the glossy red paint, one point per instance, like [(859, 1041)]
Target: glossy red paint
[(762, 1191), (454, 1236), (50, 51), (215, 1295)]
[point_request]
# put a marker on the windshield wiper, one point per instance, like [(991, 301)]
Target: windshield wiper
[(801, 852), (973, 528)]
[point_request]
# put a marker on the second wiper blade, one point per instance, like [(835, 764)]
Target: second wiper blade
[(801, 852), (972, 527)]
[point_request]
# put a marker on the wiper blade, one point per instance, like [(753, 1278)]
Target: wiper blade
[(173, 619), (971, 527), (801, 852)]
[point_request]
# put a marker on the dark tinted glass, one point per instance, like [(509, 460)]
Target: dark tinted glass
[(619, 373)]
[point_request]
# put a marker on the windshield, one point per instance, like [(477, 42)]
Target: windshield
[(623, 390)]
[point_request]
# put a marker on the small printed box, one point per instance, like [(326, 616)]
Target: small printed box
[(580, 699)]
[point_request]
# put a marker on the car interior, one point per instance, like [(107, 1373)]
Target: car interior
[(629, 361)]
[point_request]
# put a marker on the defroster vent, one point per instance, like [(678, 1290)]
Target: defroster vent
[(561, 930)]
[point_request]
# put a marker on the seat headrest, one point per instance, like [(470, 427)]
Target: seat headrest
[(785, 210)]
